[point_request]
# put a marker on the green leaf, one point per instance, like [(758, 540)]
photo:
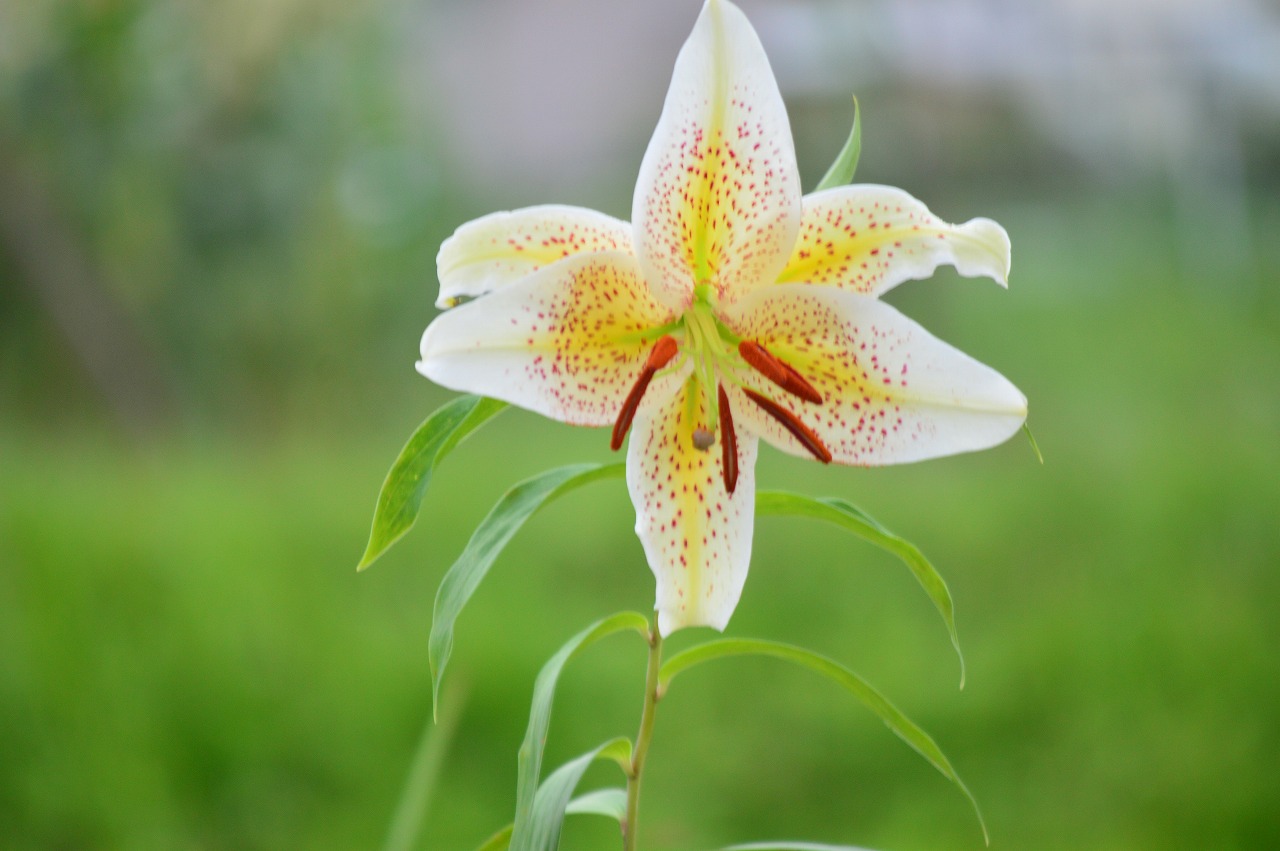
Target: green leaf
[(544, 692), (841, 171), (420, 785), (610, 803), (900, 724), (493, 533), (500, 841), (1031, 438), (547, 815), (853, 519), (791, 846), (401, 496)]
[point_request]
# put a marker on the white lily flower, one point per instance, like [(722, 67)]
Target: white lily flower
[(728, 311)]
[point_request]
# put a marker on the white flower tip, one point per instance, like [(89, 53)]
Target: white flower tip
[(669, 621), (982, 249)]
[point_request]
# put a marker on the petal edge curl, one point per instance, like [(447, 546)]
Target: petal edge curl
[(869, 238), (501, 248)]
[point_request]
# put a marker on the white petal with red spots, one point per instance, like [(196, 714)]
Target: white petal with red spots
[(718, 196), (870, 238), (565, 341), (696, 537), (892, 392), (502, 248)]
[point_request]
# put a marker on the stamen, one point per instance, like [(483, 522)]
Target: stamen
[(802, 432), (778, 371), (728, 442), (663, 351)]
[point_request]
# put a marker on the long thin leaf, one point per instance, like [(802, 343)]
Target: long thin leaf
[(420, 785), (842, 170), (400, 499), (855, 520), (516, 506), (900, 724), (547, 815), (790, 846), (610, 803), (1031, 438), (544, 692)]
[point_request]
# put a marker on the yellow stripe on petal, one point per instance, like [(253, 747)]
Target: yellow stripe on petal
[(696, 537), (568, 341), (501, 248), (718, 198), (869, 239), (891, 391)]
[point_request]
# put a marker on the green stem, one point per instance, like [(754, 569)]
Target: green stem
[(651, 698)]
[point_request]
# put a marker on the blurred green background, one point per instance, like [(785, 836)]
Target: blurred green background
[(217, 231)]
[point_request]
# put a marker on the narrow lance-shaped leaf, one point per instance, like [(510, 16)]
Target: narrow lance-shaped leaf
[(547, 815), (420, 785), (516, 506), (853, 519), (610, 803), (894, 719), (400, 499), (1031, 438), (842, 170), (791, 846), (544, 692)]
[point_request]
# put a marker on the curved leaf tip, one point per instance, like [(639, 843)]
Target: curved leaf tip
[(400, 498)]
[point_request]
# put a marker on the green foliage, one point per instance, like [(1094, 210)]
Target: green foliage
[(544, 692), (516, 506), (900, 724), (610, 803), (400, 499), (424, 775), (853, 519), (842, 170), (500, 841), (790, 846), (549, 804)]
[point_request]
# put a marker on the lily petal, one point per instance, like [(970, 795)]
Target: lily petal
[(696, 537), (718, 196), (869, 239), (566, 342), (501, 248), (892, 392)]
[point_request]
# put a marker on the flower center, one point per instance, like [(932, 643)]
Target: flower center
[(720, 356)]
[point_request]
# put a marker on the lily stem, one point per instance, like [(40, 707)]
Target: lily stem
[(651, 698)]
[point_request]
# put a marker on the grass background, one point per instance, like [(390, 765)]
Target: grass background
[(189, 660)]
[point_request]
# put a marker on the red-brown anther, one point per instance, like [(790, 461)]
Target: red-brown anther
[(778, 371), (728, 442), (802, 432), (663, 352)]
